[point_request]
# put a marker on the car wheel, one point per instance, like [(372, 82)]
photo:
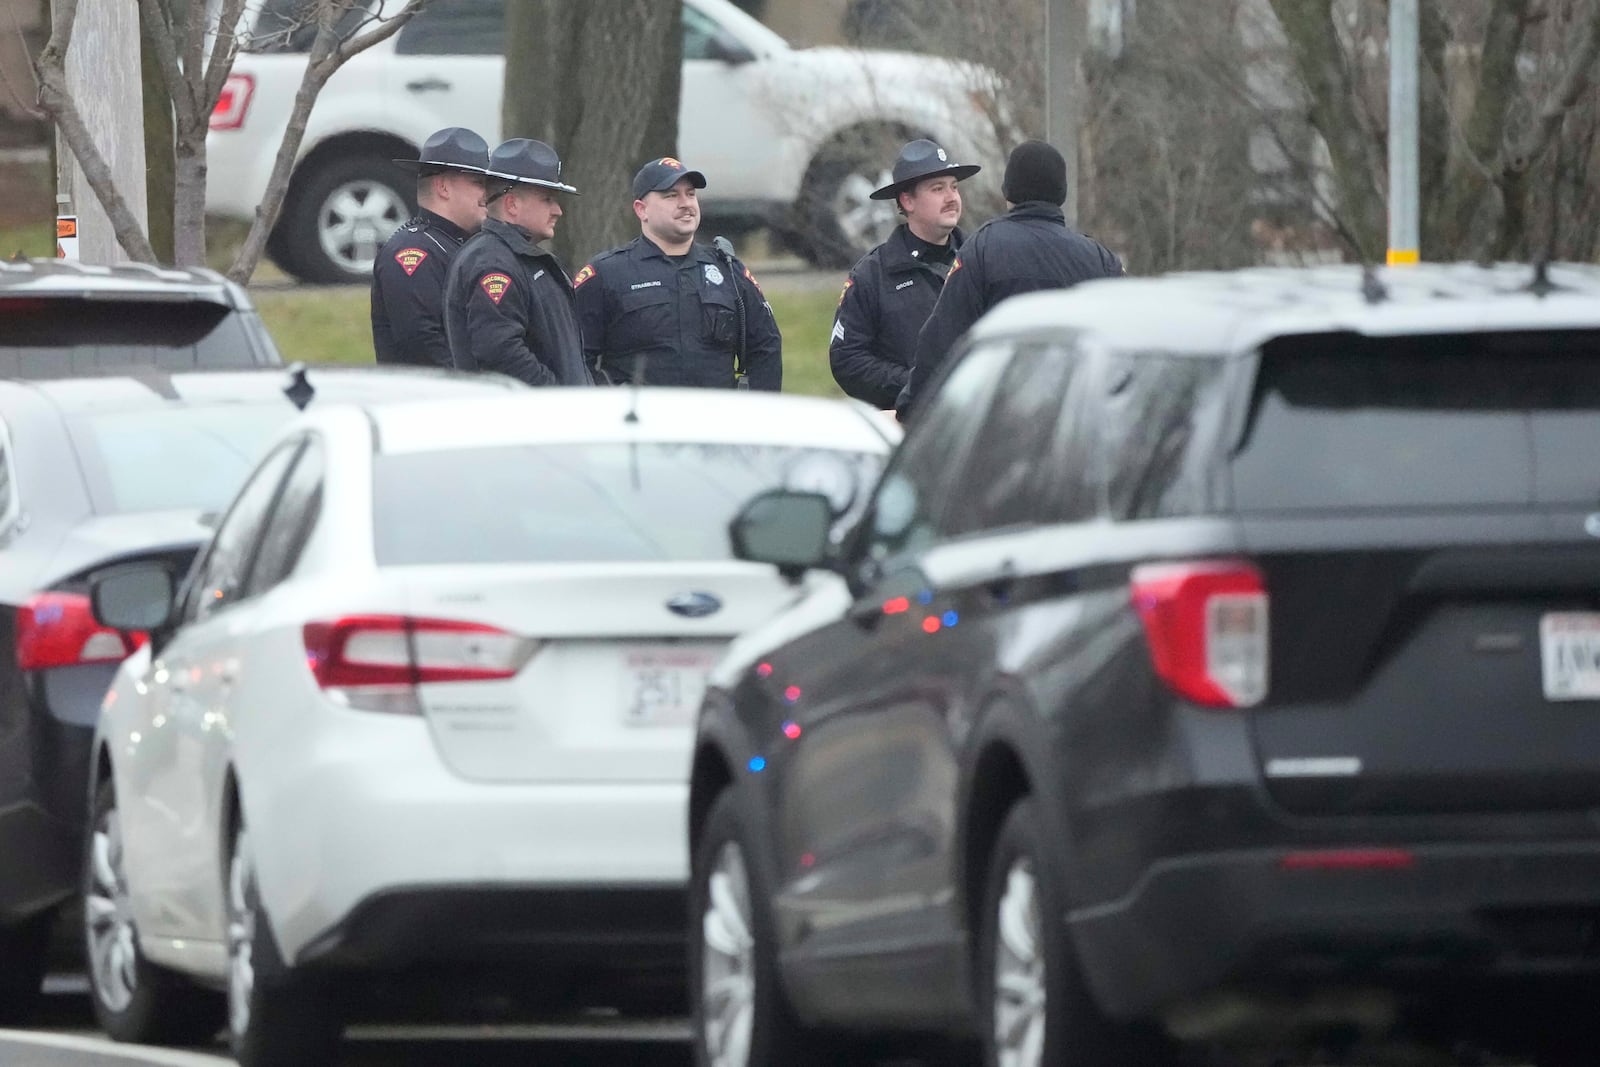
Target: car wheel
[(338, 215), (134, 999), (741, 1017), (1035, 1007), (839, 222), (277, 1016), (24, 950)]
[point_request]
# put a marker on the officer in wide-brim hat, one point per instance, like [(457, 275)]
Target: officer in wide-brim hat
[(919, 160), (509, 304), (408, 275), (893, 288)]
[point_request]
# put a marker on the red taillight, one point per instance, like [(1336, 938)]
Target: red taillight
[(58, 630), (383, 651), (233, 102), (1206, 623), (1349, 859)]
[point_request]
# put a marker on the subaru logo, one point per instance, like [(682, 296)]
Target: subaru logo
[(1591, 525), (694, 605)]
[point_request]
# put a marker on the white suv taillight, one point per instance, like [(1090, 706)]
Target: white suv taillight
[(1206, 622), (375, 662), (233, 102)]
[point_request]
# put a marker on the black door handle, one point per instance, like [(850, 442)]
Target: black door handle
[(428, 85)]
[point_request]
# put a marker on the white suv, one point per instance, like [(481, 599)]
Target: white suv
[(790, 138)]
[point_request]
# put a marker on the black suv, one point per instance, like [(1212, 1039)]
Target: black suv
[(61, 319), (1217, 663)]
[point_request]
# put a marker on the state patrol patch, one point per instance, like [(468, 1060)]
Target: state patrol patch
[(848, 282), (713, 275), (496, 285), (953, 268), (583, 275), (410, 259), (751, 278)]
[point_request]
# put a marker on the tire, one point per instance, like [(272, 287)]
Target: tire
[(277, 1016), (134, 1000), (740, 1015), (837, 221), (24, 954), (339, 212), (1024, 935)]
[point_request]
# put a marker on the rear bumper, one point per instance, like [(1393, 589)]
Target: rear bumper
[(1203, 924)]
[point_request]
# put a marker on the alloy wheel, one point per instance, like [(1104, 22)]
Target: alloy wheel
[(863, 222), (355, 220), (241, 935), (108, 917), (1019, 971), (728, 982)]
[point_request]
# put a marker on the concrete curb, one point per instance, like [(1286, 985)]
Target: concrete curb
[(15, 1046)]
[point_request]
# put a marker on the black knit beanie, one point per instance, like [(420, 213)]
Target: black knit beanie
[(1035, 171)]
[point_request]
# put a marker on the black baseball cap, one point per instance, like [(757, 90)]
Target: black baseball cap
[(452, 148), (659, 175)]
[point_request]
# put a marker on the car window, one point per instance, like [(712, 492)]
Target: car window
[(60, 338), (907, 512), (1004, 482), (220, 580), (1162, 420), (293, 519), (173, 457), (1466, 420), (592, 503), (457, 28)]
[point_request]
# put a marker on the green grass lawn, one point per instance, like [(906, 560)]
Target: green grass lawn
[(35, 240), (333, 325)]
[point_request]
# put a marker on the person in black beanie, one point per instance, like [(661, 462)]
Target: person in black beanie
[(1028, 248)]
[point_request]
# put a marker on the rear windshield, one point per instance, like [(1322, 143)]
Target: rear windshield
[(1341, 422), (58, 338), (592, 503), (177, 457)]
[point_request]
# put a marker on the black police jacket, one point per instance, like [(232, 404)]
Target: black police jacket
[(675, 323), (509, 308), (888, 297), (408, 291), (1026, 249)]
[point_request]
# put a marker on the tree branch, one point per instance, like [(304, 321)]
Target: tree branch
[(162, 35), (56, 100), (224, 50), (1572, 88), (1472, 167), (328, 54)]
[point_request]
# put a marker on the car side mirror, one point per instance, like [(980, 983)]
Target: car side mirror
[(785, 528), (132, 599)]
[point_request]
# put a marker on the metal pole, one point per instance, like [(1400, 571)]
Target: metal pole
[(1065, 26), (1404, 240)]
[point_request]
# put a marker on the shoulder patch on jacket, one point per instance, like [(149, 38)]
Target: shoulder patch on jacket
[(410, 259), (848, 282), (496, 285), (583, 275), (751, 278), (955, 266)]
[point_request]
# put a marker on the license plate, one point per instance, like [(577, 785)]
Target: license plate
[(663, 686), (1569, 646)]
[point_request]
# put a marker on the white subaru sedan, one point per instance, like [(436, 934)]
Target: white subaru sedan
[(426, 701)]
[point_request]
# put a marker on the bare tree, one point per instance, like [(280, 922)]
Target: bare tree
[(604, 118), (195, 45)]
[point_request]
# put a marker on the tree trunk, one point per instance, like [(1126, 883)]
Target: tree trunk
[(159, 161), (605, 119), (188, 202)]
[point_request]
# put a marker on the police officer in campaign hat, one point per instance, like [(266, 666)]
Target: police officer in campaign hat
[(664, 310), (1028, 248), (509, 305), (408, 275), (892, 290)]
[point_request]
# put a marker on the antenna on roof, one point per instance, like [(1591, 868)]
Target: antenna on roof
[(1542, 286), (1371, 287), (299, 390), (635, 380)]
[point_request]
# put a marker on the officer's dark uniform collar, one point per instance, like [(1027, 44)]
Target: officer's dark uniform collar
[(520, 240), (434, 221), (902, 248), (643, 248), (1039, 209)]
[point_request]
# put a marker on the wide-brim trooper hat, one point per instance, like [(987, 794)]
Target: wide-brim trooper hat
[(452, 148), (528, 162), (922, 159)]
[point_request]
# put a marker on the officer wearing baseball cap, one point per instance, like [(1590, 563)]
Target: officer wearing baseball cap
[(893, 288), (1030, 247), (409, 274), (664, 310), (509, 304)]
